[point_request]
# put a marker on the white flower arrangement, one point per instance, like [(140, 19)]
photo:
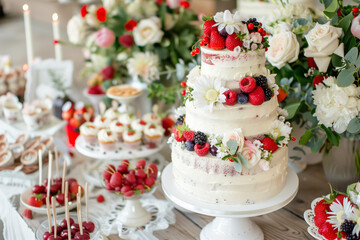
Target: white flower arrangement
[(144, 65), (336, 106)]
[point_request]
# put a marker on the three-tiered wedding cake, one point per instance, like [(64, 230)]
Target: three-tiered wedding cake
[(230, 141)]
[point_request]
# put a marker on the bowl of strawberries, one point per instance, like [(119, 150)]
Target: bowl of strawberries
[(131, 183)]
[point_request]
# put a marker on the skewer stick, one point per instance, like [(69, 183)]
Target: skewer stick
[(79, 210), (87, 201), (53, 201), (67, 216), (63, 176), (49, 175), (57, 163), (67, 190), (48, 213), (40, 168), (50, 168)]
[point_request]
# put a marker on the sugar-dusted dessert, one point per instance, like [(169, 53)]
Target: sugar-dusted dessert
[(230, 141)]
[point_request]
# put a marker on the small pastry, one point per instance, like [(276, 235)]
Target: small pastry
[(107, 139), (6, 159), (132, 138), (118, 128), (153, 134), (89, 132)]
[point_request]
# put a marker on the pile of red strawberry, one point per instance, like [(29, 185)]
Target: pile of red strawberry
[(216, 40), (39, 192), (74, 114), (129, 181)]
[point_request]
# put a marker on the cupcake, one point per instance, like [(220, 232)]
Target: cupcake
[(6, 159), (126, 119), (132, 138), (138, 125), (12, 108), (118, 128), (32, 116), (107, 139), (152, 118), (89, 132), (101, 122), (153, 134), (112, 114), (45, 105)]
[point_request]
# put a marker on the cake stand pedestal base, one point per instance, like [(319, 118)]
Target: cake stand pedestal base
[(231, 229), (232, 221), (133, 214)]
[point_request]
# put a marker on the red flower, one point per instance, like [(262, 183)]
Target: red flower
[(126, 40), (101, 14), (130, 25), (311, 63), (185, 4), (317, 80), (83, 11), (108, 72), (159, 2)]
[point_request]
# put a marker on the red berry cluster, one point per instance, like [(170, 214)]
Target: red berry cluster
[(195, 51), (355, 11), (254, 26), (183, 85), (127, 180)]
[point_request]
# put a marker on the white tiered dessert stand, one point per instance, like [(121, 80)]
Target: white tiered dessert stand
[(232, 222)]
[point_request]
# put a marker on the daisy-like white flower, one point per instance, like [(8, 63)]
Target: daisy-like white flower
[(213, 139), (207, 92), (231, 23), (180, 111), (339, 212), (355, 216), (278, 129)]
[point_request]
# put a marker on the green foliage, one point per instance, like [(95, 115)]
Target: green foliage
[(354, 126)]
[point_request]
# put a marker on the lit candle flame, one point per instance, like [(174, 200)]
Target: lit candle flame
[(26, 8), (25, 67), (55, 17)]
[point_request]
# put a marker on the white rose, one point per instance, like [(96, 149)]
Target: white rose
[(110, 5), (148, 31), (323, 41), (76, 29), (236, 135), (90, 17), (284, 48)]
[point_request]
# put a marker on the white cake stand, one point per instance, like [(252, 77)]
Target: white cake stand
[(232, 222)]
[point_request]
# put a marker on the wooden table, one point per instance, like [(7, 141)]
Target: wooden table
[(287, 223)]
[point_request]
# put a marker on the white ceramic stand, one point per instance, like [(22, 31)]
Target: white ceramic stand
[(232, 222), (133, 214)]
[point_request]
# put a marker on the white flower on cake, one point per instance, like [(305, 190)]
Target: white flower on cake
[(355, 216), (148, 31), (284, 48), (323, 41), (236, 135), (339, 212), (264, 165), (280, 129), (208, 92), (256, 37), (180, 111), (336, 106), (251, 153), (231, 23), (76, 29), (282, 112), (192, 76), (144, 65)]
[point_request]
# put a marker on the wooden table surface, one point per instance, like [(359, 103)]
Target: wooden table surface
[(285, 224)]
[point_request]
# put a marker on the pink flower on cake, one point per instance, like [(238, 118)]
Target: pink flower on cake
[(231, 23), (148, 31), (251, 153), (256, 37), (236, 135), (355, 27), (104, 38)]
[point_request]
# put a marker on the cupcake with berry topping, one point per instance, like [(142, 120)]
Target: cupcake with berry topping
[(152, 118), (126, 119), (107, 139), (118, 128), (153, 134), (138, 125), (89, 132), (132, 138), (101, 122), (112, 114)]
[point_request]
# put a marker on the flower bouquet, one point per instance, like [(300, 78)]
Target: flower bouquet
[(146, 40), (335, 216)]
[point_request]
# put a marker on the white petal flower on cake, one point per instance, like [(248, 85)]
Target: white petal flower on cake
[(282, 112), (208, 92), (192, 76), (355, 216), (278, 129), (180, 111), (339, 212), (236, 135), (231, 23), (256, 37), (264, 165), (144, 65)]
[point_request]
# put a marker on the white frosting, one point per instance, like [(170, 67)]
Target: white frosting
[(117, 126), (154, 130), (126, 119), (112, 113), (138, 125), (88, 129), (101, 122), (136, 136), (213, 180), (152, 118), (106, 136), (253, 120)]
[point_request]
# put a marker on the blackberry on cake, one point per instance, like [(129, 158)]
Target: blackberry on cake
[(200, 138)]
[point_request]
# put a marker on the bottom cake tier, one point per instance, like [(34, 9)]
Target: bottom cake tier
[(212, 180)]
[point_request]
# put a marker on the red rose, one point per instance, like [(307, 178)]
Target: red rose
[(311, 63), (130, 25), (317, 80), (101, 14), (83, 11), (159, 2), (126, 40), (185, 4), (108, 72)]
